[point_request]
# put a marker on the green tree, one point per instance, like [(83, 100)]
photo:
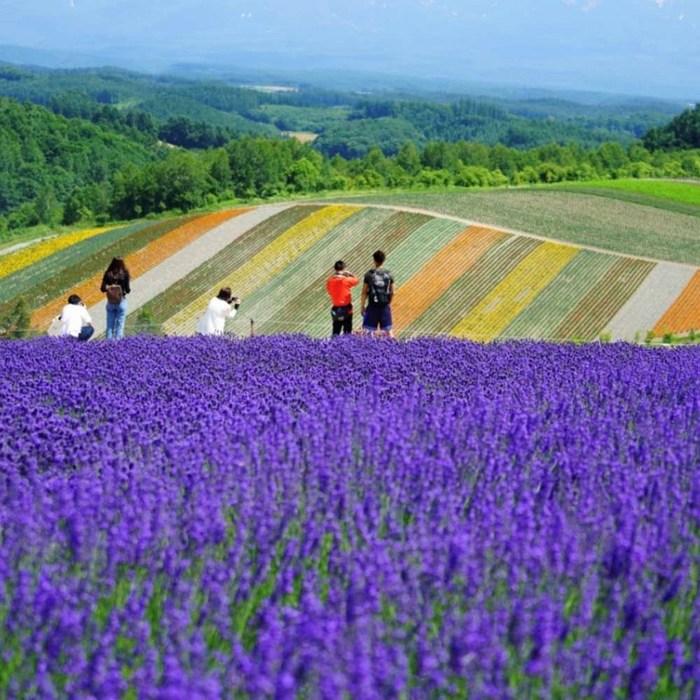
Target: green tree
[(48, 209), (128, 193), (610, 157), (472, 176), (437, 155), (181, 181), (682, 132), (551, 172), (219, 168), (304, 176), (503, 159), (259, 166), (408, 158)]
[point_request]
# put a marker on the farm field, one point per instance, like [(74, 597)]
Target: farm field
[(455, 275), (675, 192), (284, 517), (608, 223)]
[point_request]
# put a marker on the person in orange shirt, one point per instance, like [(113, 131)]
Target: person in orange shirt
[(339, 287)]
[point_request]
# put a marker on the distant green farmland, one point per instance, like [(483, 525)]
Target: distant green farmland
[(671, 190), (675, 196)]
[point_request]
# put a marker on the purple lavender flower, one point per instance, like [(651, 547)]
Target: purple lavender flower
[(282, 517)]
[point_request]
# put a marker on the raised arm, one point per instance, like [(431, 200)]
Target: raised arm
[(235, 304)]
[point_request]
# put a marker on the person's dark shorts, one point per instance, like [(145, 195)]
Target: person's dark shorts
[(377, 316)]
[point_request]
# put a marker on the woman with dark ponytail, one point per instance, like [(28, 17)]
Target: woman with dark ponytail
[(116, 285)]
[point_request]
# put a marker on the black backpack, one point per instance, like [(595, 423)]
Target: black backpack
[(379, 287)]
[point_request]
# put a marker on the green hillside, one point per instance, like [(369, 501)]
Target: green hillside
[(629, 219), (681, 197), (44, 157), (366, 118)]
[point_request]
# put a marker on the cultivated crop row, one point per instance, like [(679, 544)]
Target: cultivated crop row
[(14, 262), (28, 280), (266, 263), (465, 293), (600, 304), (149, 254), (406, 253), (421, 289), (268, 304), (549, 309), (576, 218), (451, 279), (650, 301), (220, 266), (311, 306), (684, 314), (513, 294)]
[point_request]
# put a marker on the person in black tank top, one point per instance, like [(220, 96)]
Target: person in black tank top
[(377, 294)]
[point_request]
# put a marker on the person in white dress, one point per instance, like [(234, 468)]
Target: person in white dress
[(223, 306)]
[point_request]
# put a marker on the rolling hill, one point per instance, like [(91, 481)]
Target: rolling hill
[(541, 268)]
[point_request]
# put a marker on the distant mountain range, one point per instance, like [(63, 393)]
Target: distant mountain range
[(643, 47)]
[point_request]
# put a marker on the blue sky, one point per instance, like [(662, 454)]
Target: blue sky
[(645, 47)]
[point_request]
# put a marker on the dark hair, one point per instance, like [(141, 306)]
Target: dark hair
[(73, 299), (117, 268), (379, 257), (224, 293), (339, 265)]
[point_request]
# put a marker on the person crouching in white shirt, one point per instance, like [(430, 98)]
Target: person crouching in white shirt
[(224, 305), (76, 319)]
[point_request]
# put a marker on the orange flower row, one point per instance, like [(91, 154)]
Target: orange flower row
[(684, 314), (139, 262), (440, 272)]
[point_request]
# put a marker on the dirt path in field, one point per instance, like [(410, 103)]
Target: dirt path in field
[(159, 278), (650, 302), (23, 244)]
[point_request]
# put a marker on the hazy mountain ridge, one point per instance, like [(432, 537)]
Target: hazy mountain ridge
[(632, 46)]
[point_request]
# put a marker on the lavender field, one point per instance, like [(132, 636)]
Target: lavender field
[(281, 517)]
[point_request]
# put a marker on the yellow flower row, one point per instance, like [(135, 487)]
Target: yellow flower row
[(508, 298), (266, 263), (32, 254)]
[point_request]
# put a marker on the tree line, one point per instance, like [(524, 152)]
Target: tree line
[(682, 132), (115, 166)]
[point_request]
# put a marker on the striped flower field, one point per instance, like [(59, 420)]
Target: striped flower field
[(453, 277)]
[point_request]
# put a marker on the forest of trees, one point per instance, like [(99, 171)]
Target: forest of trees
[(682, 132), (352, 116), (84, 157)]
